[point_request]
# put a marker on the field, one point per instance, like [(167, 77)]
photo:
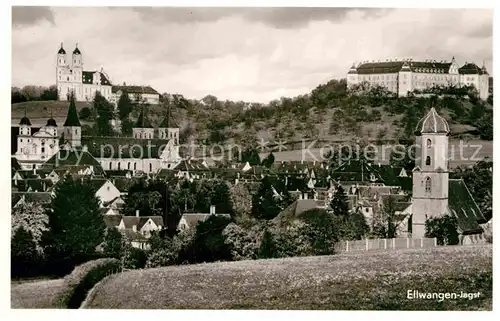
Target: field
[(378, 280), (35, 294)]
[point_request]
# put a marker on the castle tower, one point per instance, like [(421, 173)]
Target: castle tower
[(51, 126), (168, 129), (430, 176), (25, 125), (72, 126), (76, 73)]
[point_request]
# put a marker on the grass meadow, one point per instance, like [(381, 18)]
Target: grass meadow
[(377, 280)]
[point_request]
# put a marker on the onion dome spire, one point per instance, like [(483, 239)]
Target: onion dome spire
[(61, 50)]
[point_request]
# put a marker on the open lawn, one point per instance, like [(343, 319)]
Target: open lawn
[(376, 280), (35, 294)]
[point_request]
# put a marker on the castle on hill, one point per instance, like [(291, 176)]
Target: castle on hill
[(405, 76), (71, 77)]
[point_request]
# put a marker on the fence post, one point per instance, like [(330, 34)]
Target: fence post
[(394, 243), (347, 246), (422, 242), (366, 244), (385, 244), (407, 242)]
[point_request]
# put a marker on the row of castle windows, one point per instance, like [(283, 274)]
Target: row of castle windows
[(135, 166)]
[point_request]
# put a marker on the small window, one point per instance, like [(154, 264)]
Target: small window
[(110, 165), (21, 140), (150, 167), (367, 210), (428, 161), (135, 166), (128, 165), (429, 143), (428, 185)]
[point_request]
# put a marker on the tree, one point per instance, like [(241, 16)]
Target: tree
[(267, 249), (113, 243), (321, 229), (125, 105), (105, 113), (242, 201), (250, 155), (339, 202), (208, 244), (388, 217), (85, 113), (24, 254), (271, 198), (268, 161), (443, 228), (75, 220), (49, 93), (32, 218)]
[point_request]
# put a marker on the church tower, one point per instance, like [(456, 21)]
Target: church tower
[(76, 72), (72, 126), (430, 176), (62, 69)]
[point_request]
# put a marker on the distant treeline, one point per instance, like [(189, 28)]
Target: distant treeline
[(33, 93)]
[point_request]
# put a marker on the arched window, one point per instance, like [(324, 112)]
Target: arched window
[(428, 185), (128, 165), (110, 165), (135, 166), (428, 160), (119, 165), (150, 167), (429, 143)]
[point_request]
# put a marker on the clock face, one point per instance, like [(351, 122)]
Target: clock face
[(26, 151)]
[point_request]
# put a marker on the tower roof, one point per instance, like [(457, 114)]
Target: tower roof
[(51, 122), (61, 50), (76, 51), (432, 123), (72, 118), (168, 121), (25, 121), (143, 121)]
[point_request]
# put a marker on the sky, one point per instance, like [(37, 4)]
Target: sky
[(249, 54)]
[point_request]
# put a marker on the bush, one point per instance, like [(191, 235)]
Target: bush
[(85, 113), (243, 243), (83, 278), (443, 228), (134, 258), (25, 258)]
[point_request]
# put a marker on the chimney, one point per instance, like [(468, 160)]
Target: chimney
[(212, 209), (136, 213)]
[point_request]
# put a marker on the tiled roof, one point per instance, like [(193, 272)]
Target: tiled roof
[(135, 89), (191, 165), (33, 185), (432, 123), (139, 222), (73, 157), (35, 197), (133, 236), (124, 147), (464, 208), (396, 66), (296, 208), (88, 78), (123, 184), (471, 69), (112, 220), (118, 173), (72, 117)]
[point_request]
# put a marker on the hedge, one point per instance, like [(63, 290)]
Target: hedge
[(83, 278)]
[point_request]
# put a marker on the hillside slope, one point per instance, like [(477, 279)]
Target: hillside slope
[(365, 280)]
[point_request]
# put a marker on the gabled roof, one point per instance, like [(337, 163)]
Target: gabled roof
[(73, 157), (471, 69), (35, 197), (191, 165), (88, 78), (32, 185), (72, 117), (140, 221), (464, 208), (296, 208)]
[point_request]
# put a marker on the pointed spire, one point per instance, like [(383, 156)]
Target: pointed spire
[(142, 120), (168, 121), (72, 118)]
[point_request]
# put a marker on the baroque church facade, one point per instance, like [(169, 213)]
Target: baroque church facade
[(71, 77)]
